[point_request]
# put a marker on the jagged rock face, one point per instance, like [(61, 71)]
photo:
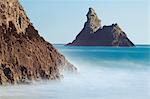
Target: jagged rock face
[(101, 36), (24, 54), (12, 11), (93, 22)]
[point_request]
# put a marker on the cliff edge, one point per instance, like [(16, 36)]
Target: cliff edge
[(24, 54)]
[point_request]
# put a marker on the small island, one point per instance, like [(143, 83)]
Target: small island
[(94, 34)]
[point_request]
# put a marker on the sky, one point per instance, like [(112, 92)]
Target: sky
[(59, 21)]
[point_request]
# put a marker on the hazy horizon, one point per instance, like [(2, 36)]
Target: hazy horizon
[(59, 21)]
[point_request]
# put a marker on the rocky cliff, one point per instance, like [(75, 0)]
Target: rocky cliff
[(24, 54), (93, 34)]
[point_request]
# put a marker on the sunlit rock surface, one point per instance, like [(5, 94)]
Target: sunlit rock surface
[(24, 54)]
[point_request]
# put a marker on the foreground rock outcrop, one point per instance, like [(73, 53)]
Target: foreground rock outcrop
[(93, 34), (24, 54)]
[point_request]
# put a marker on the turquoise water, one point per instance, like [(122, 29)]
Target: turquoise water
[(103, 73)]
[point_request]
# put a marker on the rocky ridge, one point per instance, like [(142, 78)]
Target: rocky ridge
[(24, 54)]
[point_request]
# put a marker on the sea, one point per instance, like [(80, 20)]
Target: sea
[(103, 73)]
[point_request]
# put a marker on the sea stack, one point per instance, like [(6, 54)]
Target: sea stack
[(93, 34), (24, 54)]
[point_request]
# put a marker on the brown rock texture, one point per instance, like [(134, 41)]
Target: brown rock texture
[(93, 22), (93, 34), (24, 54)]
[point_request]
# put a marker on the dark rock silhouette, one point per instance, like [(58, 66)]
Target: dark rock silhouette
[(93, 34), (24, 54)]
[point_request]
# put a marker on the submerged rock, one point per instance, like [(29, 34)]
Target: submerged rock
[(93, 34), (24, 54)]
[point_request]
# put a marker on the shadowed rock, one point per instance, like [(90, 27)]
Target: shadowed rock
[(93, 34)]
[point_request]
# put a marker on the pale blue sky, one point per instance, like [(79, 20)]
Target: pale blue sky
[(59, 21)]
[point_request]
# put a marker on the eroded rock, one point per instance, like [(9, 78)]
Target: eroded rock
[(93, 22), (24, 54)]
